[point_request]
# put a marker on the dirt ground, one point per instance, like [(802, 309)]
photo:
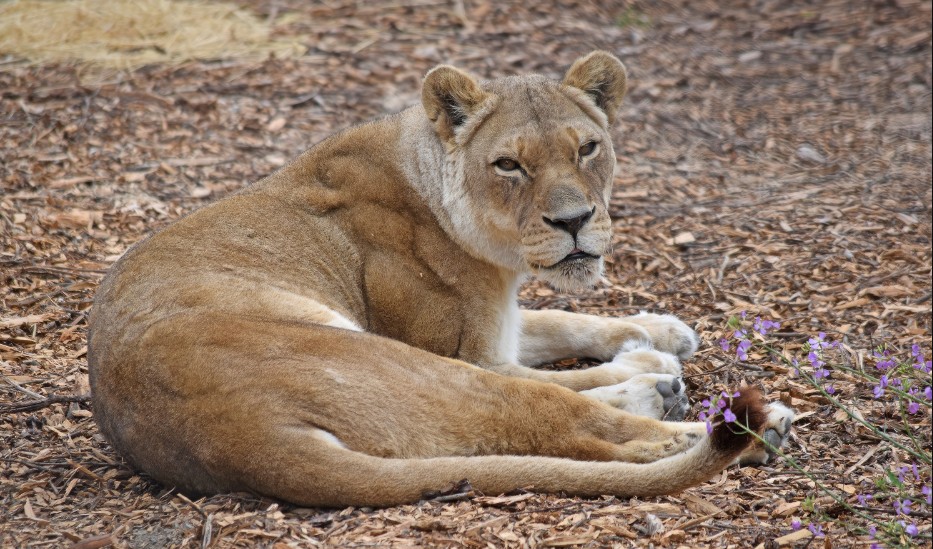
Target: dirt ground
[(774, 158)]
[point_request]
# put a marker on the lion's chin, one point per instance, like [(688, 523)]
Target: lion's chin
[(572, 275)]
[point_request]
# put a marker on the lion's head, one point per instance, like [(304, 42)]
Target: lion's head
[(529, 165)]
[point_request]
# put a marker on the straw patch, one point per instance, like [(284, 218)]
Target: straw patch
[(126, 34)]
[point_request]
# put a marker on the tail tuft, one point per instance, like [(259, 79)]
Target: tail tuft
[(749, 410)]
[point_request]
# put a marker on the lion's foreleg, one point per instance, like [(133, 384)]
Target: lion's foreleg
[(627, 347), (547, 336)]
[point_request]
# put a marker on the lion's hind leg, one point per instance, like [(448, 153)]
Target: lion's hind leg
[(338, 417), (646, 451), (311, 469)]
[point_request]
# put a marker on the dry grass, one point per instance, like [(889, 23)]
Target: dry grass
[(125, 34)]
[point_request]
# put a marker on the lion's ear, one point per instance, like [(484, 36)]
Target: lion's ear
[(449, 97), (601, 76)]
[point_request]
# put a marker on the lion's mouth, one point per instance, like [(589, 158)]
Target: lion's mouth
[(575, 254), (578, 269)]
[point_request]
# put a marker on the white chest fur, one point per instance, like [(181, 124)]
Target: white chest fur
[(510, 325)]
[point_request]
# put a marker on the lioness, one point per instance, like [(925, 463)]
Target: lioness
[(345, 331)]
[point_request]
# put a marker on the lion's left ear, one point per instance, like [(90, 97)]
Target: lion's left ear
[(450, 97), (601, 76)]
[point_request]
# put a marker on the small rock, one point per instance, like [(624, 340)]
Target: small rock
[(653, 524), (685, 237), (750, 56), (276, 124), (809, 154), (200, 192), (276, 159)]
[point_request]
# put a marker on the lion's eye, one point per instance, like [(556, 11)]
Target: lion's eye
[(587, 149), (507, 165)]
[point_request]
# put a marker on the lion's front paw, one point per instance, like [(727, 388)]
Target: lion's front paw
[(638, 358), (659, 396), (775, 432), (668, 333)]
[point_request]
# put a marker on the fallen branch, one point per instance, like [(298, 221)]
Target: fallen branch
[(34, 405)]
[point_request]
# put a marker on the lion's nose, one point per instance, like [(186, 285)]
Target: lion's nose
[(571, 224)]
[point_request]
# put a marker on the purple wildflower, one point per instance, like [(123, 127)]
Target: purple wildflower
[(913, 407), (795, 524), (741, 350), (863, 499), (872, 530), (920, 361), (928, 393), (709, 427), (819, 342), (911, 529), (902, 507), (816, 530), (830, 389), (764, 326), (878, 391), (928, 492), (724, 345), (728, 416), (885, 364)]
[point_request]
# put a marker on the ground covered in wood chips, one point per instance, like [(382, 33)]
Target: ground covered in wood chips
[(774, 158)]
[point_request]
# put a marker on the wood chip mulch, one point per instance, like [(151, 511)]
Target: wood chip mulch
[(775, 158)]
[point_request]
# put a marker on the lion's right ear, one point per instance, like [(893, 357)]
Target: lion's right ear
[(602, 77), (450, 96)]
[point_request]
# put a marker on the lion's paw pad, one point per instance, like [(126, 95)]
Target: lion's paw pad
[(660, 396), (674, 399)]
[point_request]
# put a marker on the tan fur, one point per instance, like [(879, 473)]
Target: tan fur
[(345, 332)]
